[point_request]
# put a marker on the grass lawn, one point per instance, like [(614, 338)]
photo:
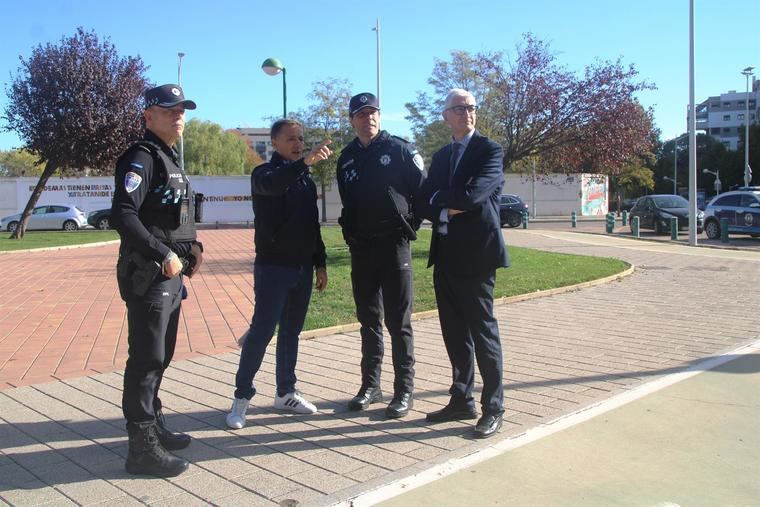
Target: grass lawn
[(531, 270), (43, 239)]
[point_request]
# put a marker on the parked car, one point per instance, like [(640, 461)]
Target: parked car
[(655, 212), (100, 219), (740, 207), (511, 209), (49, 216)]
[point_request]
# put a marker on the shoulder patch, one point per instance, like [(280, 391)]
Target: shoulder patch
[(418, 161), (132, 181)]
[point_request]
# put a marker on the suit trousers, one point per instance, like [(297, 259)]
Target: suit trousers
[(471, 332), (381, 278), (152, 336)]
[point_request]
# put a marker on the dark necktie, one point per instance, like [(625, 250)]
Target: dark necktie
[(455, 149)]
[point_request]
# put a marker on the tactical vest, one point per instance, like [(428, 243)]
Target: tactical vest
[(168, 209)]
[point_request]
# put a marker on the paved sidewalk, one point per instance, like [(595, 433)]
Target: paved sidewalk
[(63, 442)]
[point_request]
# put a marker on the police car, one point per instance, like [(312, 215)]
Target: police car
[(740, 208)]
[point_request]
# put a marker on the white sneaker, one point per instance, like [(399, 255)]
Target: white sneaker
[(236, 417), (295, 403)]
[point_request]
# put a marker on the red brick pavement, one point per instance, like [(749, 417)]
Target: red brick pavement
[(61, 315)]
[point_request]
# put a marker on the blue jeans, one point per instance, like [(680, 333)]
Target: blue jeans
[(282, 297)]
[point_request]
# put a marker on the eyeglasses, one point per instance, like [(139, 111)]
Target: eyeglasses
[(460, 110)]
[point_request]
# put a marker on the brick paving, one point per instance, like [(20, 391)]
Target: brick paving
[(62, 441)]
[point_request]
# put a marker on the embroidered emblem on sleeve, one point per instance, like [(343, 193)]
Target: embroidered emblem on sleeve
[(132, 181)]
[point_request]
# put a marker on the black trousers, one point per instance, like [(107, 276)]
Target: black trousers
[(381, 277), (152, 320), (471, 332)]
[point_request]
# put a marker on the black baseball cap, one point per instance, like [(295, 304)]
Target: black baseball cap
[(359, 102), (168, 95)]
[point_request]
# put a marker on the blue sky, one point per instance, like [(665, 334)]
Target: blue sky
[(226, 42)]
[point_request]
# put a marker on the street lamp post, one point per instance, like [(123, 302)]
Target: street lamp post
[(272, 67), (377, 38), (180, 55), (715, 173), (692, 136), (747, 176), (668, 178)]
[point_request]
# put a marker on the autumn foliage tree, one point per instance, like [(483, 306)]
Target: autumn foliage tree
[(76, 106), (326, 117), (534, 107)]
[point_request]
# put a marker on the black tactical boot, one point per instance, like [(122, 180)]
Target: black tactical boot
[(170, 441), (147, 456)]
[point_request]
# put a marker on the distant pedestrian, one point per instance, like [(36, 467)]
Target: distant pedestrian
[(461, 198), (378, 175), (289, 254)]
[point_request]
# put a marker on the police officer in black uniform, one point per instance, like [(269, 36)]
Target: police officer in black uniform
[(378, 175), (152, 211)]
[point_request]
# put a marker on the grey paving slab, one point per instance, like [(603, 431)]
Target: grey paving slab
[(562, 353)]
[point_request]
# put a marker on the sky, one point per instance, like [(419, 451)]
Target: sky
[(226, 42)]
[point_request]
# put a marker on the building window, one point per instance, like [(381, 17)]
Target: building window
[(715, 105), (726, 117), (726, 130), (727, 144), (740, 116), (740, 103), (715, 130), (726, 104)]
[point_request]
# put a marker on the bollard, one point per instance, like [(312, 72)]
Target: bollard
[(673, 228), (574, 219), (625, 218), (635, 227), (610, 223), (525, 219), (724, 230)]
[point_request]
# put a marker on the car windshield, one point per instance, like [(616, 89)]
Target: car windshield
[(671, 201)]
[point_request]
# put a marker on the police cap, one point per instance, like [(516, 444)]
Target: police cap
[(359, 102), (168, 95)]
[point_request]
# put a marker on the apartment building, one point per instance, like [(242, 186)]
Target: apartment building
[(724, 116), (258, 139)]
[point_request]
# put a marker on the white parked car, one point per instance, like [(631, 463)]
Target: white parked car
[(49, 216)]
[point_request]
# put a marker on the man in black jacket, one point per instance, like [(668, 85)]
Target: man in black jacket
[(288, 249)]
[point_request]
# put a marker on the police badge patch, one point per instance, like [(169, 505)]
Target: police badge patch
[(385, 159), (132, 181)]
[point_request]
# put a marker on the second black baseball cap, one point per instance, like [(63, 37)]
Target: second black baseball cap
[(359, 102)]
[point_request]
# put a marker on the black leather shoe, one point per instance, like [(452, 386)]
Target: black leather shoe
[(400, 405), (170, 441), (452, 412), (487, 426), (366, 396)]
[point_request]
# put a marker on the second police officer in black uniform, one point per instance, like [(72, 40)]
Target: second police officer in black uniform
[(378, 175), (152, 211)]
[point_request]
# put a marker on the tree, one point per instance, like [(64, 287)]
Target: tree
[(327, 118), (212, 151), (19, 162), (252, 158), (534, 107), (76, 106)]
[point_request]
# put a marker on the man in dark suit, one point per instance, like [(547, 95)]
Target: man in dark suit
[(461, 198)]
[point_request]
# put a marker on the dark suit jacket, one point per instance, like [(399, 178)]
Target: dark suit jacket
[(474, 243)]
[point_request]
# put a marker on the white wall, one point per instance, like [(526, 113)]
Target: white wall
[(228, 198)]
